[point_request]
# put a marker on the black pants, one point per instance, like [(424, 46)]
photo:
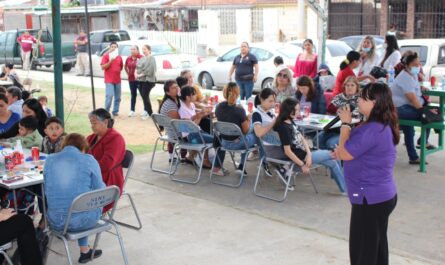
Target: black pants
[(368, 243), (20, 227), (144, 90), (134, 93)]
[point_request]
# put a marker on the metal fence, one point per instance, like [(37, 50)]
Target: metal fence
[(429, 19), (187, 42)]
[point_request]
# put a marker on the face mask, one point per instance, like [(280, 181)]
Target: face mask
[(415, 70), (366, 49), (385, 45)]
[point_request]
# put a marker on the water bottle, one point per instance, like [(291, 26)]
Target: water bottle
[(443, 83), (391, 77)]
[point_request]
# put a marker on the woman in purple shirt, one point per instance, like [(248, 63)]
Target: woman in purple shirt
[(369, 152)]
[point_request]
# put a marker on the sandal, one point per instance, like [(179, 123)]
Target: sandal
[(428, 147)]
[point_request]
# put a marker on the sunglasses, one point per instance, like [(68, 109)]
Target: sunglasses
[(282, 75)]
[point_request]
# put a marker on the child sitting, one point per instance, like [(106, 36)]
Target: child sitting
[(43, 100), (28, 133), (351, 88), (296, 148), (55, 133)]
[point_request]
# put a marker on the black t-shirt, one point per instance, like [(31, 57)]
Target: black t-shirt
[(230, 113), (290, 135), (244, 67)]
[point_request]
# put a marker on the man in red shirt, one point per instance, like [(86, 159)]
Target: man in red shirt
[(26, 40), (112, 65), (82, 63)]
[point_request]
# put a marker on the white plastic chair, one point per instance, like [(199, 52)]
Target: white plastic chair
[(128, 165), (85, 202)]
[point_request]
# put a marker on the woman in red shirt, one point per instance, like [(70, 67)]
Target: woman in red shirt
[(130, 67), (107, 146), (352, 61), (306, 63)]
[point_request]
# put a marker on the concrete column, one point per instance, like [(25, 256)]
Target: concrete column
[(384, 17), (410, 19), (301, 24)]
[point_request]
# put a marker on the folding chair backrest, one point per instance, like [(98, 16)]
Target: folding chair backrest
[(185, 126), (127, 163), (164, 122), (95, 199), (228, 129)]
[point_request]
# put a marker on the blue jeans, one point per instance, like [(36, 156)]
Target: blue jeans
[(250, 139), (408, 112), (328, 140), (79, 222), (112, 90), (134, 93), (194, 138), (246, 88), (323, 157)]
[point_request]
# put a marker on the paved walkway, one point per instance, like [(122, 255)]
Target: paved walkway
[(210, 224)]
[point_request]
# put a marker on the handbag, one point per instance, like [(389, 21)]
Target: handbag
[(428, 116), (378, 72), (248, 77)]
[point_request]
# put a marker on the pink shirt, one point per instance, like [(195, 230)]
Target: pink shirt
[(303, 67), (26, 42)]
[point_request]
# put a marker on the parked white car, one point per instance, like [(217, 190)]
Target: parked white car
[(214, 72), (335, 53), (169, 61), (431, 53)]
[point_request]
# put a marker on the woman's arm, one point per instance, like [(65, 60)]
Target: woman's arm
[(413, 100), (96, 175), (363, 77), (288, 152), (260, 131), (246, 125), (346, 117), (11, 132), (174, 114)]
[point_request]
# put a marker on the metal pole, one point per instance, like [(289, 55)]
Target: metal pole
[(87, 23), (57, 46)]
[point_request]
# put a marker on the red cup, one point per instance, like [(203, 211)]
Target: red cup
[(250, 106), (35, 153), (433, 81), (216, 99)]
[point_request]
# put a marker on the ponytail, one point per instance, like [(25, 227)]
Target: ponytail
[(350, 57), (231, 93)]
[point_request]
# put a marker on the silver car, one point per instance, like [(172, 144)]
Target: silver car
[(214, 72), (169, 61)]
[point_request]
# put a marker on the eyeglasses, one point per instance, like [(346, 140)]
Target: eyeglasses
[(282, 75)]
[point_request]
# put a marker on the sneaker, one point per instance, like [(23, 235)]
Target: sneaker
[(291, 188), (86, 257), (174, 160), (144, 115), (240, 168), (253, 156), (222, 172), (131, 114), (267, 170), (115, 114)]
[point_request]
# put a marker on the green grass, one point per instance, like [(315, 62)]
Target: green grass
[(142, 148)]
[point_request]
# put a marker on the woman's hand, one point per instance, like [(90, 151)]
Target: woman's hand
[(5, 214), (335, 155), (308, 160), (345, 114), (305, 169)]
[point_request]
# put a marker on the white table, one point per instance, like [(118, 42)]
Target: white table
[(6, 83)]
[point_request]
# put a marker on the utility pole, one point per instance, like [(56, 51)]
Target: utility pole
[(57, 46), (87, 23)]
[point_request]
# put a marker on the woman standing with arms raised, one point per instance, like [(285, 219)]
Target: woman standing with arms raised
[(369, 155), (146, 75)]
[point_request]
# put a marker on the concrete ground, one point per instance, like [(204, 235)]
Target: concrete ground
[(211, 224)]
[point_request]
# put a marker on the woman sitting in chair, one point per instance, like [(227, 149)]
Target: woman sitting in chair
[(228, 111), (68, 174)]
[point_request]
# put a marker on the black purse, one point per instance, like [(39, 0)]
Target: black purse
[(378, 72), (428, 116)]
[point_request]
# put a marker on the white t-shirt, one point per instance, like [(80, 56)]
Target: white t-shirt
[(392, 60), (368, 64), (186, 113)]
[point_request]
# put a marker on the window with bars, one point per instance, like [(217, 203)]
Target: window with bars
[(227, 22)]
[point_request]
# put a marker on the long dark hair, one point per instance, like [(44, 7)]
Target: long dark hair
[(167, 86), (263, 95), (41, 116), (391, 46), (350, 57), (286, 110), (305, 80), (383, 111)]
